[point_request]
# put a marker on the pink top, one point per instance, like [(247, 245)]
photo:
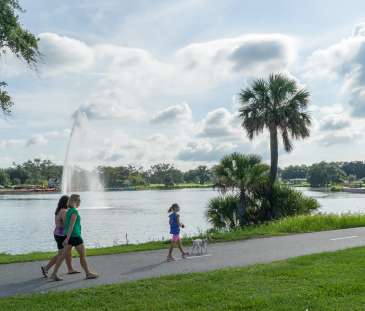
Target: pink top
[(60, 225)]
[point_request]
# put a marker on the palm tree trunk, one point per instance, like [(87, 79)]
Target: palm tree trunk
[(274, 154), (273, 170), (242, 207)]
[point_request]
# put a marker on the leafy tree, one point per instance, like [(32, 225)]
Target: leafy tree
[(204, 174), (121, 176), (190, 176), (201, 175), (34, 172), (278, 105), (294, 171), (17, 40), (164, 173), (322, 174), (356, 168), (241, 174), (17, 175), (4, 178)]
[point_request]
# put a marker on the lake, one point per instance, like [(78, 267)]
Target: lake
[(113, 217)]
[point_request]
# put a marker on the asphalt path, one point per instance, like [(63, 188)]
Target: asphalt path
[(21, 278)]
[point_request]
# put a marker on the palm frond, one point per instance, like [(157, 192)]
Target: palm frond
[(288, 146)]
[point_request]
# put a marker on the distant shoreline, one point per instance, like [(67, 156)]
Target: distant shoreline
[(131, 188), (27, 191)]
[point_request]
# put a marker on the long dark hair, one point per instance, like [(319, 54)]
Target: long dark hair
[(62, 204)]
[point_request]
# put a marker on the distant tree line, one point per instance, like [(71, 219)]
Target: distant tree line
[(40, 172), (326, 173), (33, 172)]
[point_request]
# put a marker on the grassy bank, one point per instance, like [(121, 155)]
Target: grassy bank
[(172, 187), (329, 281), (290, 225)]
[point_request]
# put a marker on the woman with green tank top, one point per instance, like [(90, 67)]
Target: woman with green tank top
[(73, 238)]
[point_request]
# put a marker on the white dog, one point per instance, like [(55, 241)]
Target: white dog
[(199, 247)]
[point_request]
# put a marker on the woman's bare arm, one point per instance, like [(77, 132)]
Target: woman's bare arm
[(71, 226), (178, 221)]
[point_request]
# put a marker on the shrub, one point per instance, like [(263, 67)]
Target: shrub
[(222, 211), (336, 188), (287, 201)]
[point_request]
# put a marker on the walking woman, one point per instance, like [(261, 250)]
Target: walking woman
[(73, 238), (59, 236)]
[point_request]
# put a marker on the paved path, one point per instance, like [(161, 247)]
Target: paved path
[(25, 277)]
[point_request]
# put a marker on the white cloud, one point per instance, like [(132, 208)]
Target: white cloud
[(36, 140), (204, 151), (9, 143), (173, 114), (255, 54), (130, 80), (339, 138), (220, 124), (334, 122), (62, 54), (112, 104), (65, 133), (133, 89), (344, 60)]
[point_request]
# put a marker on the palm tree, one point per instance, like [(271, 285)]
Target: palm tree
[(279, 105), (222, 212), (241, 174)]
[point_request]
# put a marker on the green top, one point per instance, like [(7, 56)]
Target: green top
[(76, 232)]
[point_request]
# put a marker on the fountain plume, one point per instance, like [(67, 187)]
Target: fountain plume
[(75, 178)]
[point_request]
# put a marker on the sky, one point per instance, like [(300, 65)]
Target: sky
[(159, 80)]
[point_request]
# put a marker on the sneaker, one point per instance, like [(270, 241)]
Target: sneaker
[(91, 275), (44, 271), (55, 277), (184, 255), (170, 258), (73, 272)]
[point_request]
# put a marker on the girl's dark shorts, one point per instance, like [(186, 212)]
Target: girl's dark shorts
[(59, 240), (75, 241)]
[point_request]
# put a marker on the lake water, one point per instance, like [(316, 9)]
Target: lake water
[(27, 220)]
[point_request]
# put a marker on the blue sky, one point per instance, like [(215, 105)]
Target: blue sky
[(158, 79)]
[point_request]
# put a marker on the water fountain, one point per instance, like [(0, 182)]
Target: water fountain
[(75, 178)]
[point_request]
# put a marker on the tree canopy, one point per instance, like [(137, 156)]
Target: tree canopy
[(15, 39)]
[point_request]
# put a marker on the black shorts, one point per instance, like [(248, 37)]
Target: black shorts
[(59, 240), (75, 241)]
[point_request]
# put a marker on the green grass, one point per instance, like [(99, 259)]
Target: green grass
[(290, 225), (177, 186), (322, 282), (36, 256)]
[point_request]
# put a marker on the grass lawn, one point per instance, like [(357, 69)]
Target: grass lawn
[(290, 225), (328, 281)]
